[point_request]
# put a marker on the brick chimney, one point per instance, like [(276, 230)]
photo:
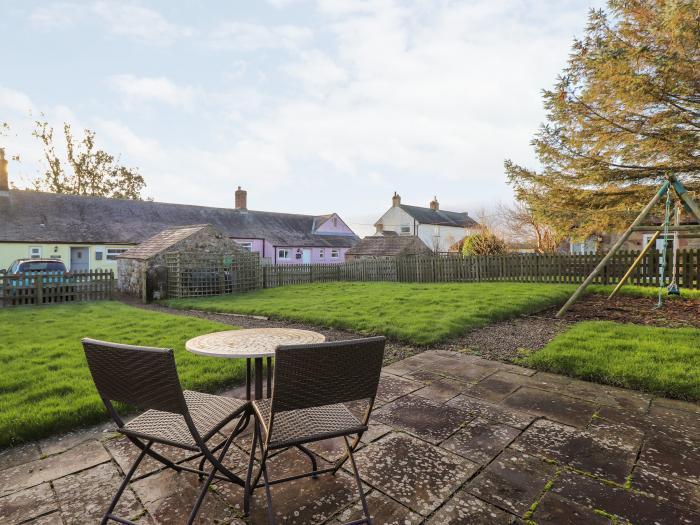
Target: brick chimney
[(4, 181), (241, 199), (434, 204), (396, 200)]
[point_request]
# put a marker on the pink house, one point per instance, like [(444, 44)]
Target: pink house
[(289, 238)]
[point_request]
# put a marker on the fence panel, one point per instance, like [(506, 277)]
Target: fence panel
[(37, 288)]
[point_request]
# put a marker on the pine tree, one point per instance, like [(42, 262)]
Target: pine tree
[(624, 113)]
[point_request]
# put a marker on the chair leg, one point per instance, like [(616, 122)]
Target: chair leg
[(365, 508), (247, 489), (237, 430), (108, 515), (312, 457), (270, 514), (207, 483), (161, 459), (340, 462)]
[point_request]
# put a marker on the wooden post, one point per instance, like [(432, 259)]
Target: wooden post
[(687, 199), (635, 263), (662, 191)]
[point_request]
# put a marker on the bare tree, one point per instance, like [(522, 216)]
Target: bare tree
[(522, 225)]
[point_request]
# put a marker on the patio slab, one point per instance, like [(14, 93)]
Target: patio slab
[(509, 440), (423, 418), (416, 473)]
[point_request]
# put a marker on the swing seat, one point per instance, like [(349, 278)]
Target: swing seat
[(673, 289)]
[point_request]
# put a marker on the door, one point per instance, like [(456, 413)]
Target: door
[(306, 256), (79, 259)]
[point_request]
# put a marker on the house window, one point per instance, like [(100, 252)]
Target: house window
[(35, 252), (335, 254), (247, 246), (283, 254), (99, 253), (321, 253), (113, 252), (298, 254), (405, 230)]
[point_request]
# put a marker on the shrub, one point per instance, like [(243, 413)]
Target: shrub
[(483, 243)]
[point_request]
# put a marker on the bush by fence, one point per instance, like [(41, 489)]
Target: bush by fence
[(55, 287)]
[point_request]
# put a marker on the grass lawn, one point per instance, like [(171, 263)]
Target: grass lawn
[(411, 312), (663, 361), (644, 291), (45, 385)]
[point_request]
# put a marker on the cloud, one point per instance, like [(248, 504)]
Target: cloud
[(140, 23), (245, 36), (15, 101), (57, 15), (153, 89)]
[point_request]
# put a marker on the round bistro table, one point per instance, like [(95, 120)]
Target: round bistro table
[(253, 345)]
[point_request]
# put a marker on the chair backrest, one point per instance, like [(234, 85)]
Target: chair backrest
[(327, 373), (140, 376)]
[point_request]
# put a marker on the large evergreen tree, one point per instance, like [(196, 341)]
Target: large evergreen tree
[(624, 113)]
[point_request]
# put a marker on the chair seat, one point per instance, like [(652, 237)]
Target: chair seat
[(209, 413), (295, 427)]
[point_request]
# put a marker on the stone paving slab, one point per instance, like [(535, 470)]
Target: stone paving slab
[(423, 418), (554, 406), (455, 439), (42, 470), (513, 481), (624, 504), (465, 509), (414, 472), (577, 449), (481, 440)]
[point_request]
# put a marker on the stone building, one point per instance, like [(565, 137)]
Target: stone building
[(142, 270)]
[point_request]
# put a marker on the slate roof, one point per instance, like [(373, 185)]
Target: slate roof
[(161, 242), (439, 217), (389, 246), (30, 216)]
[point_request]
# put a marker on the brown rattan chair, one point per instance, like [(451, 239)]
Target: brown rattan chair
[(147, 378), (312, 385)]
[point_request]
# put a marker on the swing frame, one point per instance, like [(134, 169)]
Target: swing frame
[(671, 183)]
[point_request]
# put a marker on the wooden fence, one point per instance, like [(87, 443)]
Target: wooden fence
[(55, 287), (559, 268)]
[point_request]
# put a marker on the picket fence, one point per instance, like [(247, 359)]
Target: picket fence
[(55, 287)]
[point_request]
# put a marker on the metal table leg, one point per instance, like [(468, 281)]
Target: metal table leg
[(258, 378), (269, 377)]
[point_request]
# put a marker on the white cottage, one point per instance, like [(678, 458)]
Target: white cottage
[(438, 229)]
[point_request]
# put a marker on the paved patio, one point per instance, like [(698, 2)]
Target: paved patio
[(455, 439)]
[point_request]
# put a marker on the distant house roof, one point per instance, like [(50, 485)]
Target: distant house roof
[(161, 242), (389, 246), (439, 217), (30, 216)]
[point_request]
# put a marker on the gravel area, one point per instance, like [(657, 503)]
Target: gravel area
[(501, 341)]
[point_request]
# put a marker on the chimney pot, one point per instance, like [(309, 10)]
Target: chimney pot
[(241, 199), (4, 180), (396, 200), (434, 204)]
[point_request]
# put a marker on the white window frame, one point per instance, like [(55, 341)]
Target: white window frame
[(335, 253), (405, 229), (284, 251), (37, 254), (321, 253), (100, 253), (112, 253), (247, 245)]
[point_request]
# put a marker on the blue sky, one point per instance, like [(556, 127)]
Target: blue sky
[(312, 106)]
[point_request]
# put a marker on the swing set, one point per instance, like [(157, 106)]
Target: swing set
[(684, 201)]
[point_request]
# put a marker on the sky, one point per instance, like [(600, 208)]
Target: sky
[(311, 106)]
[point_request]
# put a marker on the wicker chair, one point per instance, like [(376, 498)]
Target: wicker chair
[(147, 378), (312, 384)]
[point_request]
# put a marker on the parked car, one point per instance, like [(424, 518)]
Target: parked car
[(36, 265)]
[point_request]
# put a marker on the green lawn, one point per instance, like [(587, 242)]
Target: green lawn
[(663, 361), (45, 385), (644, 291), (415, 313)]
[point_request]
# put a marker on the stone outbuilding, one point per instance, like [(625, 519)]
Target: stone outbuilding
[(388, 245), (143, 270)]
